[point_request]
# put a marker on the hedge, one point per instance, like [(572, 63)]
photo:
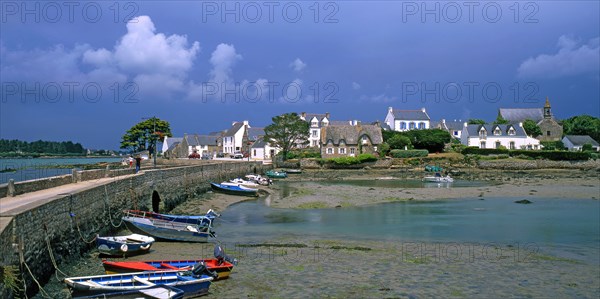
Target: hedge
[(536, 154), (352, 160), (408, 153)]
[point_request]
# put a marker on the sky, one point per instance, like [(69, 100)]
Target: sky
[(88, 71)]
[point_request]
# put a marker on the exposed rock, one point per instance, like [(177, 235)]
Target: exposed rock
[(524, 201)]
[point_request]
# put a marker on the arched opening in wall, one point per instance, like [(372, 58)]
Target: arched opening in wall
[(155, 201)]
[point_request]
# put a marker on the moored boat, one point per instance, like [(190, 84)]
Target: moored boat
[(293, 171), (245, 183), (257, 178), (124, 245), (202, 220), (193, 283), (221, 265), (276, 174), (438, 178), (234, 190), (163, 230)]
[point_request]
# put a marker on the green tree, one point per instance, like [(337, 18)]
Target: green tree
[(531, 128), (287, 132), (384, 149), (587, 147), (476, 121), (399, 141), (146, 133), (582, 125), (500, 120)]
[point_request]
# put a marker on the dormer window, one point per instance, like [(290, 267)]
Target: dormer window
[(314, 124), (497, 132), (365, 139), (511, 131), (482, 133)]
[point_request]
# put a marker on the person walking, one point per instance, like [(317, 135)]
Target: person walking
[(138, 163)]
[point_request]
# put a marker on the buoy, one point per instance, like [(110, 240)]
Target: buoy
[(124, 248)]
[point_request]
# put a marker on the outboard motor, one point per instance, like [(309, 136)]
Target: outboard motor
[(220, 255), (200, 268)]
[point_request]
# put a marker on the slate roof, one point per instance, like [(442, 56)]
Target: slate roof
[(255, 133), (199, 140), (340, 122), (410, 114), (171, 140), (386, 127), (455, 125), (173, 145), (473, 130), (260, 143), (579, 140), (516, 115), (351, 134), (234, 128)]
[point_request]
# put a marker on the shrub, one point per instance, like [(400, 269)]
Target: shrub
[(409, 153), (552, 155), (366, 158), (399, 142), (384, 149), (552, 145), (472, 150)]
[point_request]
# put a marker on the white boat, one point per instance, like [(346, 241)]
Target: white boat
[(257, 178), (438, 178), (243, 182)]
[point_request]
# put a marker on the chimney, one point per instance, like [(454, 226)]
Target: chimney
[(390, 109), (246, 123), (423, 109), (466, 124), (443, 121), (303, 114), (327, 115)]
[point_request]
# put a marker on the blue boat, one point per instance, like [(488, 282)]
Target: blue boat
[(155, 292), (234, 190), (164, 230), (193, 283), (124, 245)]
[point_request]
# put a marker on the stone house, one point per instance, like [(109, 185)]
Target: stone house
[(350, 140), (454, 127), (201, 144), (551, 129), (169, 143), (498, 136), (405, 120)]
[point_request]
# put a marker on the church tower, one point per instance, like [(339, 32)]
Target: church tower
[(547, 112)]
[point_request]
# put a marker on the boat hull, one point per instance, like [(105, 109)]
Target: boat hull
[(108, 284), (166, 231), (159, 291), (234, 190), (112, 267), (276, 174), (124, 245)]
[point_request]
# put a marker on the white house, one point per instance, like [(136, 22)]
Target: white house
[(233, 139), (498, 136), (263, 150), (170, 142), (576, 142), (316, 122), (404, 120), (454, 127)]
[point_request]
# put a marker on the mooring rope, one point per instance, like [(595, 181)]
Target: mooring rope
[(79, 230), (107, 207), (42, 291), (54, 260)]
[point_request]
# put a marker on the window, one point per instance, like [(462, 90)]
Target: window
[(511, 145), (254, 153), (365, 139), (455, 133), (547, 133), (314, 143), (375, 148), (482, 133), (411, 125), (314, 133), (330, 150), (402, 126), (421, 126), (498, 144), (352, 151), (482, 144), (314, 124), (342, 150), (497, 132), (511, 132)]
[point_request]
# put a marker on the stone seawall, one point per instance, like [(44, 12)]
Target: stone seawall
[(66, 226)]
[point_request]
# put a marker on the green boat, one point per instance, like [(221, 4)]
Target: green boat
[(276, 174)]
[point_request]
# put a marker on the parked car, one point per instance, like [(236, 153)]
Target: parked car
[(194, 155), (238, 155), (220, 155), (206, 156)]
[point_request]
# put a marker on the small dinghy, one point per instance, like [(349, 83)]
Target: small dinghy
[(234, 190), (124, 245)]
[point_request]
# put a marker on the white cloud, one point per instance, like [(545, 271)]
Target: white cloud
[(223, 59), (572, 59), (355, 86), (298, 65)]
